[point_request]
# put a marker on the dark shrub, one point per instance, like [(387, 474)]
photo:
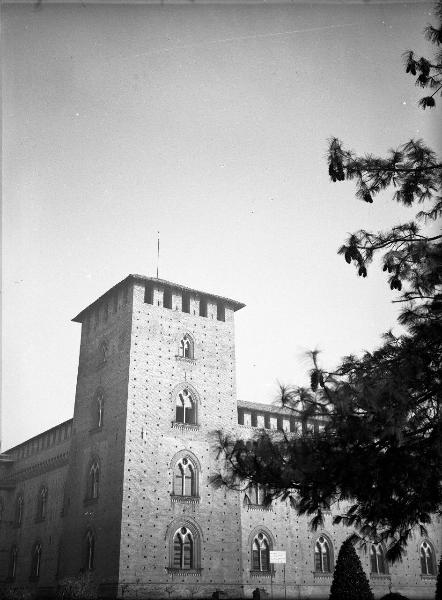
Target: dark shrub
[(349, 579)]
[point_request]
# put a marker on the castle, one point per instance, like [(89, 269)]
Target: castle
[(122, 490)]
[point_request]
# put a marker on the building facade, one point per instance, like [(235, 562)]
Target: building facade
[(122, 491)]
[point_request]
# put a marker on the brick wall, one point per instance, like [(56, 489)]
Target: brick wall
[(157, 374), (40, 462), (102, 372)]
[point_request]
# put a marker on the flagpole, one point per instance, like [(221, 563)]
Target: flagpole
[(158, 252)]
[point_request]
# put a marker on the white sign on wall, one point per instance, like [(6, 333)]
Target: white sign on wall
[(277, 556)]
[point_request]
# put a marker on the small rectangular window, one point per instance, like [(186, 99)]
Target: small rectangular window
[(203, 307), (273, 423), (247, 419), (167, 298), (260, 421), (148, 293), (220, 312), (185, 302)]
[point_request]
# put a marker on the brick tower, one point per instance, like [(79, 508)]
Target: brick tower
[(156, 378)]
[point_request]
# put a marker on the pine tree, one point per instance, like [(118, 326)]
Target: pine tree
[(349, 579), (428, 72), (438, 595)]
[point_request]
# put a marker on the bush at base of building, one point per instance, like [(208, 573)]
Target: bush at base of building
[(349, 580), (80, 587), (394, 596)]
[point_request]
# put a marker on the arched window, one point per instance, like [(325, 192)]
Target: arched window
[(428, 563), (104, 351), (42, 503), (59, 558), (322, 555), (12, 569), (184, 478), (98, 410), (186, 347), (377, 559), (36, 561), (183, 549), (185, 407), (260, 553), (93, 481), (89, 550), (19, 505)]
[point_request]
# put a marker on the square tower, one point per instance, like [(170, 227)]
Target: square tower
[(156, 380)]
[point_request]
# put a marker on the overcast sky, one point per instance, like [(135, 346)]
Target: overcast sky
[(208, 123)]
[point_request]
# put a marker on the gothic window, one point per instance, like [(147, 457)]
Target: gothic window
[(42, 503), (185, 408), (12, 569), (19, 504), (36, 561), (186, 347), (260, 553), (89, 550), (377, 559), (183, 549), (428, 564), (322, 555), (93, 481), (184, 478), (58, 560), (98, 410), (104, 351)]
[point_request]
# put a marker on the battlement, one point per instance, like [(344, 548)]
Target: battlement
[(161, 293), (269, 416), (40, 442)]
